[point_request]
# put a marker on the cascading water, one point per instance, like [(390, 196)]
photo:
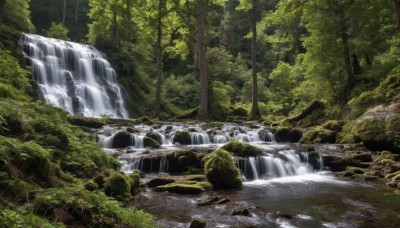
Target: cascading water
[(74, 77)]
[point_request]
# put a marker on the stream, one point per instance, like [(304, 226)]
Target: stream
[(280, 189)]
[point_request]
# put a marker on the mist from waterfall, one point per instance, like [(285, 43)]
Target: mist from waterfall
[(74, 77)]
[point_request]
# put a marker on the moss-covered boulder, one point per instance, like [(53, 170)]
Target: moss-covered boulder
[(155, 136), (185, 188), (372, 133), (132, 130), (118, 185), (221, 170), (239, 111), (86, 121), (181, 161), (149, 142), (159, 181), (121, 139), (318, 135), (288, 134), (241, 149), (333, 125), (352, 171), (181, 137)]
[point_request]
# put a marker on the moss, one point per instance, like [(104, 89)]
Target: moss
[(333, 125), (155, 136), (221, 170), (185, 188), (181, 161), (182, 137), (49, 134), (121, 139), (392, 130), (86, 121), (288, 134), (391, 175), (352, 171), (213, 125), (239, 111), (208, 201), (149, 142), (241, 149), (91, 185), (132, 130), (346, 135), (371, 133), (319, 135), (118, 185)]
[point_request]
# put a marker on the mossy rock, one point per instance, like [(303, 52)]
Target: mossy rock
[(221, 170), (361, 156), (288, 134), (132, 130), (239, 111), (155, 136), (181, 161), (333, 125), (118, 185), (213, 125), (197, 223), (86, 121), (241, 149), (313, 158), (351, 171), (208, 201), (392, 129), (158, 182), (149, 142), (372, 133), (144, 120), (318, 135), (122, 139), (185, 188), (181, 137)]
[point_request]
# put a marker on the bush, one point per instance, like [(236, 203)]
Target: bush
[(221, 170), (118, 185)]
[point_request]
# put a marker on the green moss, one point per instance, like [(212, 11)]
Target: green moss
[(239, 111), (241, 149), (221, 170), (155, 136), (208, 201), (333, 125), (392, 130), (318, 135), (91, 185), (181, 161), (346, 135), (372, 133), (86, 121), (352, 171), (182, 137), (149, 142), (213, 125), (188, 187), (118, 185), (288, 134)]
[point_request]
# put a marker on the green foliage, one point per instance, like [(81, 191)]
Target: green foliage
[(118, 185), (58, 31), (241, 149), (221, 170)]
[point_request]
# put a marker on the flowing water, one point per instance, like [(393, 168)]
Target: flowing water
[(74, 77), (281, 180)]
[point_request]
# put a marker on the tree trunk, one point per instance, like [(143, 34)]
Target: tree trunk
[(201, 52), (76, 10), (64, 12), (2, 5), (368, 60), (397, 9), (159, 70), (255, 111), (346, 56), (356, 65)]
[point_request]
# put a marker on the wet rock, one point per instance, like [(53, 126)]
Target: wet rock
[(149, 142), (197, 223), (185, 188), (158, 182), (351, 171), (222, 201), (221, 170), (132, 130), (121, 140), (361, 156), (283, 215), (242, 212), (288, 134), (154, 136), (241, 149), (181, 161), (208, 201), (181, 137)]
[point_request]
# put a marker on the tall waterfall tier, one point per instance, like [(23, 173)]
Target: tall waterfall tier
[(74, 77)]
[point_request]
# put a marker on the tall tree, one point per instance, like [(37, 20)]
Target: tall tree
[(2, 5), (159, 60), (255, 111), (64, 12), (397, 8), (202, 61)]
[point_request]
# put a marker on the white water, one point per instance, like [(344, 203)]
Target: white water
[(74, 77)]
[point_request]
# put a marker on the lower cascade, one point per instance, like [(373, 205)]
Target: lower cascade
[(74, 77)]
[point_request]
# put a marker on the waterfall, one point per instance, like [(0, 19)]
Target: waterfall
[(285, 163), (74, 77), (197, 138)]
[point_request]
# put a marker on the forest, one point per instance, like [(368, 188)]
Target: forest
[(109, 108)]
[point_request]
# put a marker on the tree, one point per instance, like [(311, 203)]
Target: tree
[(64, 12), (2, 4), (58, 31)]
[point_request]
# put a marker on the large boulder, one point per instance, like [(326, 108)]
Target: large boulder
[(181, 161), (241, 149), (159, 181), (288, 134), (182, 137), (185, 188), (121, 139), (318, 135), (155, 136), (149, 142), (221, 170)]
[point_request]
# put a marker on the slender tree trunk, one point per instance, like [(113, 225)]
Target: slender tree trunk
[(159, 67), (255, 111), (356, 65), (2, 5), (64, 12), (397, 9), (368, 60), (346, 55), (201, 52), (76, 10)]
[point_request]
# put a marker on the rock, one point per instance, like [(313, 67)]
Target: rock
[(239, 111), (86, 121), (318, 135), (351, 171), (182, 137), (197, 223), (132, 130), (336, 163), (221, 170), (181, 161), (241, 149), (361, 156), (288, 134), (283, 215), (243, 212), (185, 188), (149, 142), (333, 125), (159, 181), (121, 140), (222, 201), (118, 185), (208, 201), (155, 136)]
